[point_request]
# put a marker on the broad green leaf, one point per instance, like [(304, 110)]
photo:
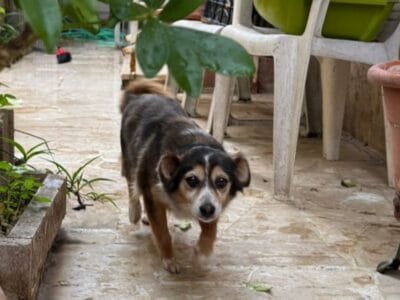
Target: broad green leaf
[(83, 12), (154, 3), (192, 50), (185, 67), (217, 53), (2, 11), (126, 10), (178, 9), (44, 16), (152, 47)]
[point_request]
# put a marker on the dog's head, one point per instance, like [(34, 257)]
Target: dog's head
[(204, 180)]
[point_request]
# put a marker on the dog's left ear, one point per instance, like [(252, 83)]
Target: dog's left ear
[(242, 171), (167, 166)]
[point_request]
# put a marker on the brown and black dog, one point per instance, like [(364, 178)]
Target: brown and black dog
[(176, 166)]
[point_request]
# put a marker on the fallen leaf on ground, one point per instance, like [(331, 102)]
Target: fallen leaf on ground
[(184, 226), (347, 183), (259, 287)]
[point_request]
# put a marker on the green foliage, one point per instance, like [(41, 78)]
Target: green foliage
[(128, 10), (7, 101), (45, 18), (17, 188), (80, 13), (7, 31), (186, 52), (178, 9), (77, 185), (28, 154), (259, 287), (18, 184)]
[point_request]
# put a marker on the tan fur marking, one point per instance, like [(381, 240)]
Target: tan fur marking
[(185, 192), (223, 194), (158, 222), (207, 238)]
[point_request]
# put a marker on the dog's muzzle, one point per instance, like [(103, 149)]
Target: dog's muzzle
[(207, 210)]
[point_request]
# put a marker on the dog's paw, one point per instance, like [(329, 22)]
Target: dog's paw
[(171, 265), (135, 212), (200, 260)]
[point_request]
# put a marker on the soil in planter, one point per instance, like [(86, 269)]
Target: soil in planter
[(17, 188)]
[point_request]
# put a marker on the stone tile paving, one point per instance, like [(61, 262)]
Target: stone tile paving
[(324, 243)]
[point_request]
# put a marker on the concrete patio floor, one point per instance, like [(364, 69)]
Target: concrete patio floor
[(324, 243)]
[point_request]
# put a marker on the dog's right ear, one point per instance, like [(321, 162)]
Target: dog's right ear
[(167, 167)]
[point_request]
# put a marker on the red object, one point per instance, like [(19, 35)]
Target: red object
[(63, 56), (60, 51)]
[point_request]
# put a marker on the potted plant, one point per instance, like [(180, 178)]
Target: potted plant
[(30, 216), (387, 75), (32, 205)]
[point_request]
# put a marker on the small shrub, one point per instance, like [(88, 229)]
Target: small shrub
[(18, 186)]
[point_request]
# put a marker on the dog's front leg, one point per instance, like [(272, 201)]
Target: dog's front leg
[(206, 241), (157, 216)]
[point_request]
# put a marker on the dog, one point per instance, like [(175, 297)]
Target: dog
[(174, 165)]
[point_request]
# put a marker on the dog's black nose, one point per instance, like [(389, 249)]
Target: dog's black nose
[(207, 210)]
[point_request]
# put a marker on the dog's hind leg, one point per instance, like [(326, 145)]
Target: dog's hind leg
[(135, 209)]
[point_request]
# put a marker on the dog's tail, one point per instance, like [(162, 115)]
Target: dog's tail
[(143, 87)]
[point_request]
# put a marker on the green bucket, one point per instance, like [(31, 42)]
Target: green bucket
[(346, 19)]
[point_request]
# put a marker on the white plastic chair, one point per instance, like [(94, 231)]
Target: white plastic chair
[(291, 58)]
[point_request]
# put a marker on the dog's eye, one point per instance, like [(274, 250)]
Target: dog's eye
[(192, 181), (221, 183)]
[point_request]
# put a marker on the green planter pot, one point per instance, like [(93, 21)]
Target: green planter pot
[(347, 19)]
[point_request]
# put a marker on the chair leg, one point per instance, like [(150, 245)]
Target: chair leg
[(223, 92), (290, 78), (190, 105), (171, 85), (244, 88), (335, 78)]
